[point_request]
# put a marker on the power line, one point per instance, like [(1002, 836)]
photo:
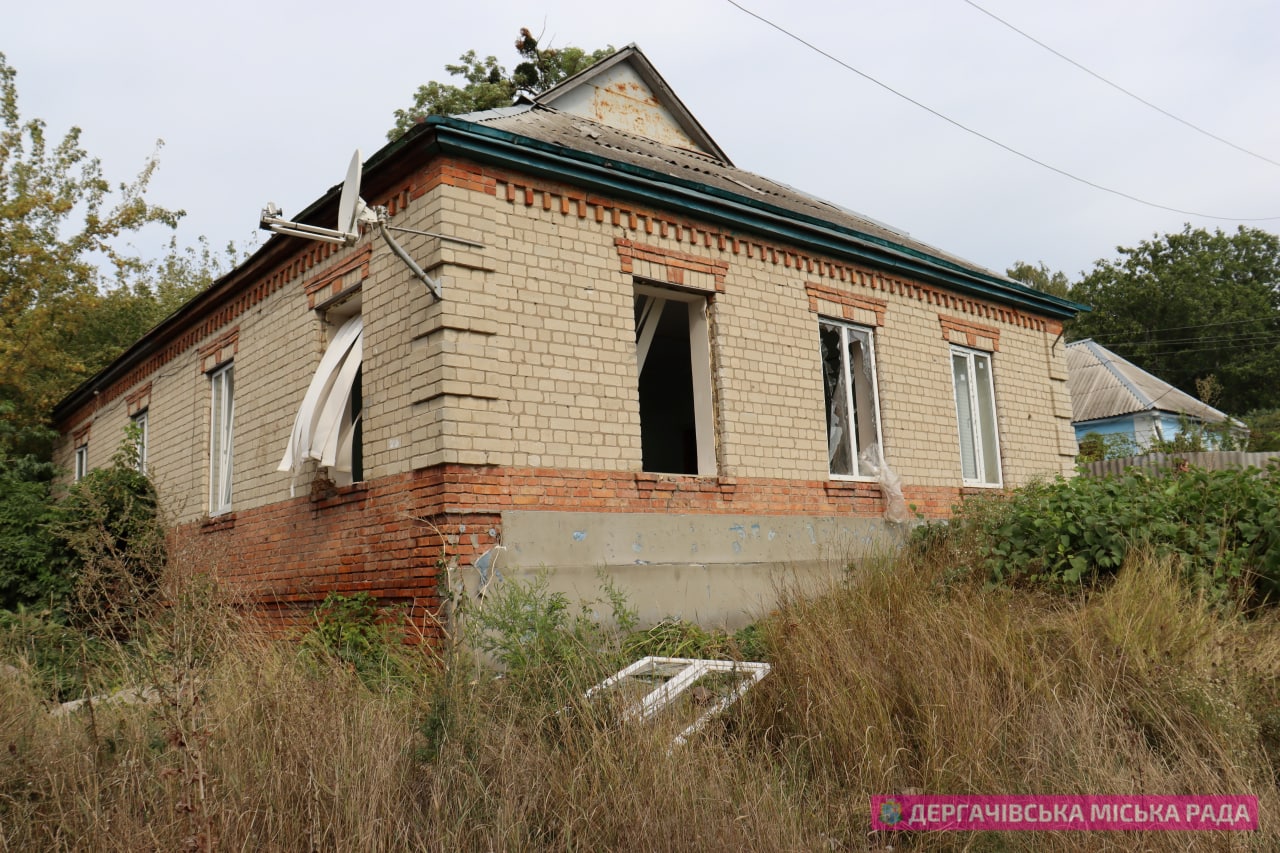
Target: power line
[(1120, 88), (1146, 343), (989, 139), (1164, 352), (1204, 325)]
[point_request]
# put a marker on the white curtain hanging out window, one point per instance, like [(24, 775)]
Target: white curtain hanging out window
[(320, 431)]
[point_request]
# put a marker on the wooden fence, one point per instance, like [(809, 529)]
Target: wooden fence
[(1212, 460)]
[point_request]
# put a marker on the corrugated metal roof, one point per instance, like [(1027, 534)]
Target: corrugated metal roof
[(580, 134), (1104, 385)]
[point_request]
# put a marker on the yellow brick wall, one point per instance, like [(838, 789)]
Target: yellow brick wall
[(552, 377)]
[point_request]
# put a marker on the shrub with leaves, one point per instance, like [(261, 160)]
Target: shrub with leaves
[(1221, 527), (33, 566), (111, 525), (541, 640), (357, 631)]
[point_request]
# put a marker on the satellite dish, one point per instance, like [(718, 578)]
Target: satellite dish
[(351, 206), (352, 210)]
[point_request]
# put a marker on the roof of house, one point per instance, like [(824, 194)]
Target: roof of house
[(1103, 385)]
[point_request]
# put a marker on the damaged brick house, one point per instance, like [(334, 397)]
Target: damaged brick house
[(643, 359)]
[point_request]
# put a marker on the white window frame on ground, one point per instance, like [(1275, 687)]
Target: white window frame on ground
[(654, 302), (82, 461), (851, 399), (663, 681), (972, 378), (140, 422), (221, 437)]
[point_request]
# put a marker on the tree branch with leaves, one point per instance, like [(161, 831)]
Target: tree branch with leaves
[(488, 85)]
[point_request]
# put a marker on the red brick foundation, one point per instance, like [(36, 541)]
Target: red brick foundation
[(392, 537)]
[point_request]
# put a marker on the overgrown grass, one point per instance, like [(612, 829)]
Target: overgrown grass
[(897, 678)]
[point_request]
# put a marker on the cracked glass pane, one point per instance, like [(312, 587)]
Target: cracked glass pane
[(839, 454)]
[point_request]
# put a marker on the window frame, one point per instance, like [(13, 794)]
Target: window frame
[(141, 420), (846, 368), (698, 305), (221, 438), (81, 462), (978, 436)]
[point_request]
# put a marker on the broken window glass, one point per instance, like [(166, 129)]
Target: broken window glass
[(849, 382), (674, 360)]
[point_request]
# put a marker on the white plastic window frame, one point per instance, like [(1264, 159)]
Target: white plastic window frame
[(682, 674), (222, 410), (851, 394), (82, 461), (704, 412), (986, 445), (141, 421)]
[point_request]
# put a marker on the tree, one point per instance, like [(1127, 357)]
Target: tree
[(1054, 283), (1193, 305), (488, 85), (59, 221), (70, 299)]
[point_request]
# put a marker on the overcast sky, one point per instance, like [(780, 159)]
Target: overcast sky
[(265, 101)]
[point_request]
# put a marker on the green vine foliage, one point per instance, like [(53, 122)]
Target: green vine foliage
[(1221, 527)]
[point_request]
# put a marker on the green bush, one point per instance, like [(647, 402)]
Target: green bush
[(111, 526), (542, 642), (34, 567), (355, 630), (1222, 527), (59, 660)]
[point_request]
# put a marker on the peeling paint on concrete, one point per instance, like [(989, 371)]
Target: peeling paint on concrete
[(579, 535)]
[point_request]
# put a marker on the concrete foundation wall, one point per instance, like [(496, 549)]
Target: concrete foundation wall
[(711, 569)]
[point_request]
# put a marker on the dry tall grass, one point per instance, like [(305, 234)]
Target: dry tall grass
[(888, 682)]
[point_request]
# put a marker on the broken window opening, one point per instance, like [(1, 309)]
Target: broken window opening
[(141, 427), (328, 427), (976, 417), (704, 687), (853, 407), (673, 354)]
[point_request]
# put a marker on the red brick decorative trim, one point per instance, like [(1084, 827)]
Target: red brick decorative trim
[(974, 335), (220, 350), (139, 400), (519, 189), (669, 265), (848, 303), (332, 279)]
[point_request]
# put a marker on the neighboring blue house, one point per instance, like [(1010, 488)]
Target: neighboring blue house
[(1114, 397)]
